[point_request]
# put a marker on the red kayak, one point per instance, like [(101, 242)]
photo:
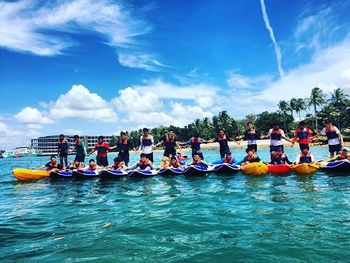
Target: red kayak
[(279, 168)]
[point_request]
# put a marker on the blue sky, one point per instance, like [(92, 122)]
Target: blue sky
[(98, 67)]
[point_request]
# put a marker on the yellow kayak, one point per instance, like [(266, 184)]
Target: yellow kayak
[(257, 169), (305, 168), (26, 174)]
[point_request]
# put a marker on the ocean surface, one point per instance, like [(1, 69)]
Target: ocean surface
[(214, 218)]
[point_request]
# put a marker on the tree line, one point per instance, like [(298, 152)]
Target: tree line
[(336, 108)]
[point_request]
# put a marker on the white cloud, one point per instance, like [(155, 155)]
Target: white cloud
[(241, 82), (80, 103), (33, 26), (185, 114), (32, 116)]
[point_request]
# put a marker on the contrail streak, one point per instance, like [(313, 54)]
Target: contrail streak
[(272, 36)]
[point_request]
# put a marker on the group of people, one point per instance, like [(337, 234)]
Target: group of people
[(303, 136)]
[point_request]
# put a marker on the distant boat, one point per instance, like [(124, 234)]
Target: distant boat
[(21, 152)]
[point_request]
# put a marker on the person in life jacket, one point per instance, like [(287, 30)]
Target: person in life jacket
[(280, 158), (102, 148), (223, 139), (227, 159), (123, 147), (251, 157), (174, 162), (92, 166), (79, 149), (335, 139), (302, 135), (305, 156), (197, 161), (251, 136), (53, 165), (276, 135), (75, 166), (143, 164), (62, 150), (344, 155), (146, 144), (195, 143), (170, 142), (118, 164)]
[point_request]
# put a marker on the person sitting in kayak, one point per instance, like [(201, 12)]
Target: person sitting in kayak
[(344, 155), (227, 159), (335, 139), (195, 143), (276, 135), (305, 156), (197, 161), (302, 135), (102, 148), (143, 164), (75, 166), (174, 163), (169, 141), (251, 157), (280, 158), (223, 139), (92, 166), (53, 165), (118, 164)]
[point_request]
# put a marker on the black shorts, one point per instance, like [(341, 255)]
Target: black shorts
[(102, 161), (224, 151), (253, 147), (149, 156), (63, 155), (79, 158), (303, 146), (169, 152), (334, 148), (276, 148), (124, 157)]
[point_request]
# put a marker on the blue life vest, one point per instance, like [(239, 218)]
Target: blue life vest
[(331, 134), (303, 134), (144, 165), (276, 135), (305, 158), (195, 144), (280, 160), (146, 141), (250, 136), (169, 143)]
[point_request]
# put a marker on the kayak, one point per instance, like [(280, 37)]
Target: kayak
[(226, 168), (171, 171), (257, 169), (196, 170), (142, 173), (112, 173), (341, 166), (305, 168), (27, 174), (61, 174), (279, 168), (85, 174)]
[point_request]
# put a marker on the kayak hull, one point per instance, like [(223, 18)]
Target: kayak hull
[(142, 173), (171, 171), (255, 169), (85, 174), (61, 175), (342, 166), (305, 168), (279, 168), (226, 168), (28, 175), (110, 174), (196, 170)]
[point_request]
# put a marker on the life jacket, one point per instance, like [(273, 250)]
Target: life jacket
[(303, 134), (79, 148), (102, 149), (276, 135), (92, 168), (230, 161), (146, 141), (331, 134), (123, 146), (175, 165), (342, 156), (251, 135), (144, 165), (169, 143), (195, 144), (118, 166), (63, 146), (51, 166), (280, 159), (223, 142), (194, 162), (305, 158), (252, 159)]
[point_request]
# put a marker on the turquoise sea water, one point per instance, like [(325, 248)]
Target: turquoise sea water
[(176, 219)]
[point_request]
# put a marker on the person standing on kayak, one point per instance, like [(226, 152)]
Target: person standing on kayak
[(223, 139), (79, 149), (276, 135), (62, 150), (170, 143), (146, 144), (102, 148), (195, 143), (251, 136), (123, 147), (303, 135), (335, 139)]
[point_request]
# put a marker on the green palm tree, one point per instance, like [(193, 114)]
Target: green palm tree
[(316, 99), (293, 104), (339, 98), (299, 106), (284, 107)]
